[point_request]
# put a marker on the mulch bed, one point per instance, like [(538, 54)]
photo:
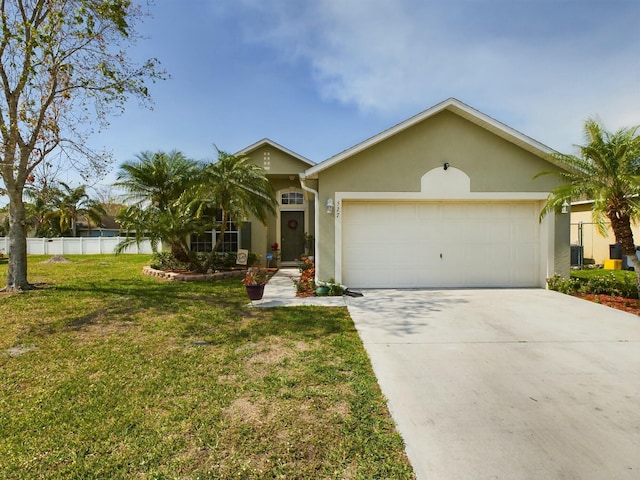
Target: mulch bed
[(631, 305)]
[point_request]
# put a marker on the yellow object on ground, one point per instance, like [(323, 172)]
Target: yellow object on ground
[(613, 264)]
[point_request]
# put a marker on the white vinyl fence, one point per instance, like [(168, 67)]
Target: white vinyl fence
[(76, 246)]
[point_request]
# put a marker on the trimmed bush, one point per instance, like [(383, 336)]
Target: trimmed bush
[(223, 261), (166, 262), (559, 284), (605, 283)]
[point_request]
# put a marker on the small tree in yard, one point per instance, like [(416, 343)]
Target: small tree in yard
[(156, 185), (606, 171), (237, 188), (171, 198), (62, 68)]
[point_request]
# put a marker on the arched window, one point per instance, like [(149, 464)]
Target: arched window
[(292, 198)]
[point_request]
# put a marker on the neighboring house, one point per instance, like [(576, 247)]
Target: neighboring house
[(109, 227), (446, 198), (584, 232)]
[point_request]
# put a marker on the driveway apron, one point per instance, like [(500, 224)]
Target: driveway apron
[(507, 383)]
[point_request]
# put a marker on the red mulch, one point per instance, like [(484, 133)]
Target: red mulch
[(631, 305)]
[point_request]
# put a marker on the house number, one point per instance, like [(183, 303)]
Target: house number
[(338, 204)]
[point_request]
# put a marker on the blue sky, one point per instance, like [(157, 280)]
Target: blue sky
[(319, 76)]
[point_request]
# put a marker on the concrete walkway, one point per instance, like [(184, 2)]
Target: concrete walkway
[(280, 291)]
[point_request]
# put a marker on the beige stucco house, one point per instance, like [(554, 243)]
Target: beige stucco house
[(295, 218), (446, 198)]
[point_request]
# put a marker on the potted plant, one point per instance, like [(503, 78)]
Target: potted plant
[(330, 288), (254, 281)]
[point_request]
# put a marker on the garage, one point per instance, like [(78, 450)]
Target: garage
[(448, 198), (408, 244)]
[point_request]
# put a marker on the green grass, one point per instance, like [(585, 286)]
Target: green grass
[(106, 373)]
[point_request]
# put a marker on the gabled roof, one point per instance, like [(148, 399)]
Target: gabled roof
[(266, 141), (452, 105)]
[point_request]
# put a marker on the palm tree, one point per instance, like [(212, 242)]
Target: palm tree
[(70, 203), (38, 209), (607, 171), (155, 185), (237, 188)]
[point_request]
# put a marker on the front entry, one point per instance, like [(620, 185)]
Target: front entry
[(291, 235)]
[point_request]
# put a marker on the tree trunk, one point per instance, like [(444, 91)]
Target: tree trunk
[(179, 253), (621, 226), (17, 272), (210, 263)]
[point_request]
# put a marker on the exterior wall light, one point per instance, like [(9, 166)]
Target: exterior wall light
[(565, 207), (329, 205), (446, 165)]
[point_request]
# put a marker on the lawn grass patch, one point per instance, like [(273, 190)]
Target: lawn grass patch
[(588, 273), (107, 373)]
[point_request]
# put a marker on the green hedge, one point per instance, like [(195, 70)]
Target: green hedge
[(603, 282), (166, 261)]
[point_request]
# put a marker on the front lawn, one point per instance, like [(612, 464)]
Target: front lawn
[(110, 374)]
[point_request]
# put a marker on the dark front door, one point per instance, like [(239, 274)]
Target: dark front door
[(292, 235)]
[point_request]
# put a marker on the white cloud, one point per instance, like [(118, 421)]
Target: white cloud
[(542, 67)]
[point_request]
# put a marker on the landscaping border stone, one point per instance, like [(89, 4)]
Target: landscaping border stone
[(192, 277)]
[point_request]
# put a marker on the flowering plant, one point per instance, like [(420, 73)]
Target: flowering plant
[(275, 246), (305, 285), (255, 276)]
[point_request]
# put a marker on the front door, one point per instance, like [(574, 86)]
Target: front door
[(292, 235)]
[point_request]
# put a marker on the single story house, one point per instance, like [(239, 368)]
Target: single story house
[(446, 198), (109, 227)]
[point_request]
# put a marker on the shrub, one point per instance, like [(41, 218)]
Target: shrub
[(335, 289), (563, 285), (198, 260), (609, 284), (599, 284), (166, 261)]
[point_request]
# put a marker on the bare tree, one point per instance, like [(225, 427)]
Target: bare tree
[(63, 69)]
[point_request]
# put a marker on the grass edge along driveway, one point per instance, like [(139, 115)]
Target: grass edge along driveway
[(106, 373)]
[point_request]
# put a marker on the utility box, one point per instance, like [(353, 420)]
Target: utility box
[(613, 264), (615, 251)]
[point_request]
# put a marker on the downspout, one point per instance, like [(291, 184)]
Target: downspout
[(316, 222)]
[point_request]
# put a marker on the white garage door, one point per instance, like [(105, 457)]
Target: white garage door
[(440, 244)]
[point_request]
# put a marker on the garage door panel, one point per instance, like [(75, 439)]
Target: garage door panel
[(440, 244), (403, 213)]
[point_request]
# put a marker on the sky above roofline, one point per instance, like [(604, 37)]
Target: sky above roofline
[(321, 76)]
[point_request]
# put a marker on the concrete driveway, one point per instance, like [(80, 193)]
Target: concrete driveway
[(507, 384)]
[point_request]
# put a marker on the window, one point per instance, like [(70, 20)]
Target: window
[(230, 241), (292, 198), (204, 243)]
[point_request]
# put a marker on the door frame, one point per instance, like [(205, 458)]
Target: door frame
[(291, 208)]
